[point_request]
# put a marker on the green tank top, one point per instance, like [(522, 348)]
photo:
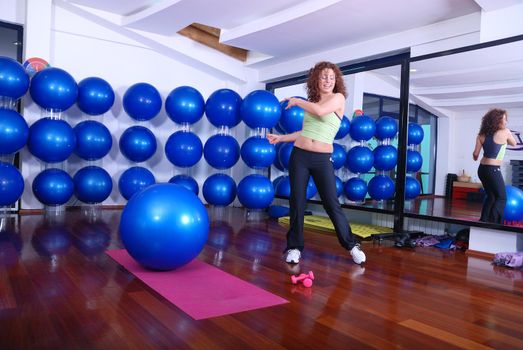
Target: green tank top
[(322, 128)]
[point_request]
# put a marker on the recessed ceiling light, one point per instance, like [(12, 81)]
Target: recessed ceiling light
[(413, 70)]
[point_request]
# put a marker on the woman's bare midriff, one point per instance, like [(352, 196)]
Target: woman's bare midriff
[(311, 145), (490, 161)]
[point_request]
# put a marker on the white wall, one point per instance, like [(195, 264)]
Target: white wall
[(12, 11)]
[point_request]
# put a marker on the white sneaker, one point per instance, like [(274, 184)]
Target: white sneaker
[(357, 254), (293, 256)]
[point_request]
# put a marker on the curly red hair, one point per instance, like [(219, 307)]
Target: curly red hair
[(491, 121), (313, 93)]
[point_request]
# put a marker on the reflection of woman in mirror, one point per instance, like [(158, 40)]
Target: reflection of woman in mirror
[(311, 155), (493, 137)]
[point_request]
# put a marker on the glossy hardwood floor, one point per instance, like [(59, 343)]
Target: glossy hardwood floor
[(59, 290)]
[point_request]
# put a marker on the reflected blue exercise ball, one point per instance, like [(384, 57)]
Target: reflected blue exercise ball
[(183, 149), (291, 119), (385, 157), (95, 96), (285, 154), (14, 131), (412, 187), (339, 156), (93, 140), (14, 81), (53, 89), (92, 184), (277, 162), (283, 187), (134, 180), (185, 104), (339, 186), (255, 192), (50, 239), (362, 128), (142, 101), (414, 161), (137, 143), (344, 128), (53, 187), (219, 189), (260, 109), (360, 159), (161, 233), (355, 189), (223, 108), (514, 207), (51, 140), (221, 151), (257, 152), (415, 134), (386, 128), (11, 184), (186, 181), (381, 187)]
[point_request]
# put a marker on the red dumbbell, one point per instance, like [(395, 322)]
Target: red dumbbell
[(306, 279)]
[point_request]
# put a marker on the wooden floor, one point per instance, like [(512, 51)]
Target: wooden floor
[(59, 290)]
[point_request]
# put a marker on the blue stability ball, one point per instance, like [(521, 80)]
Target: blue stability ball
[(386, 128), (53, 187), (14, 131), (362, 128), (283, 187), (53, 89), (414, 161), (291, 119), (93, 140), (14, 81), (381, 187), (311, 188), (260, 109), (185, 104), (385, 157), (161, 233), (142, 101), (285, 154), (223, 108), (11, 184), (183, 149), (412, 188), (257, 152), (92, 184), (339, 186), (360, 159), (221, 151), (339, 156), (95, 96), (51, 140), (137, 143), (415, 134), (255, 192), (344, 128), (219, 189), (187, 182), (133, 180), (514, 207), (277, 163), (355, 189), (276, 181)]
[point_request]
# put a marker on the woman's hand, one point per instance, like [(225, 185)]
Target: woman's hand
[(292, 101), (274, 138)]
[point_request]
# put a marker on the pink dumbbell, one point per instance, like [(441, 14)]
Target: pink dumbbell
[(306, 279)]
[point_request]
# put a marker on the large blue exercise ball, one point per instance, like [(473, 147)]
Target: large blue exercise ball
[(53, 89), (414, 161), (53, 187), (14, 81), (283, 187), (339, 186), (185, 104), (257, 152), (223, 108), (260, 109), (339, 156), (381, 187), (284, 154), (186, 181), (344, 128), (360, 159), (415, 134), (412, 188), (161, 233), (291, 119), (355, 189), (92, 184), (386, 128), (183, 149), (134, 180), (137, 143), (311, 188), (221, 151), (255, 192), (385, 157), (277, 162), (95, 96), (51, 140), (142, 101), (93, 140), (362, 128), (11, 184), (14, 131), (219, 189), (514, 207)]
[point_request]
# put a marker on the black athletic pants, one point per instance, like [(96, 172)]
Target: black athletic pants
[(494, 186)]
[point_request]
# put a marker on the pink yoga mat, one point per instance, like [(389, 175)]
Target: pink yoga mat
[(200, 290)]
